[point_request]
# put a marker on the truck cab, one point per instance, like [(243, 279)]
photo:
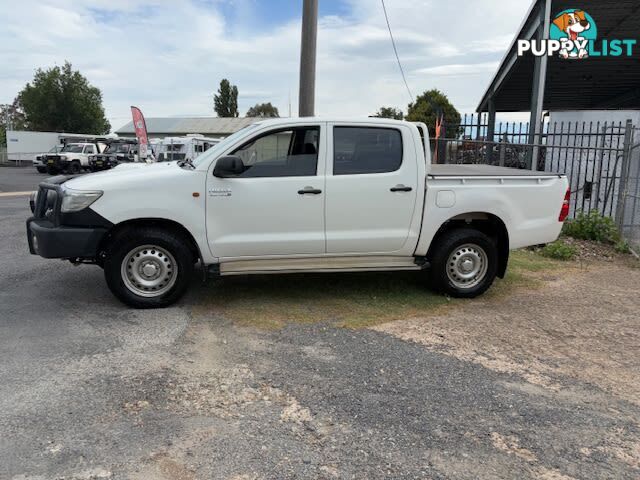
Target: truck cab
[(299, 195)]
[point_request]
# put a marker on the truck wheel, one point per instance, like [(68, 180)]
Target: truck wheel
[(52, 170), (75, 167), (464, 263), (148, 267)]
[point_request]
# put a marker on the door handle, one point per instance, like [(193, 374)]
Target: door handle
[(401, 188), (309, 191)]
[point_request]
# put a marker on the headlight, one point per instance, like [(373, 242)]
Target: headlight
[(92, 158), (76, 200), (63, 157)]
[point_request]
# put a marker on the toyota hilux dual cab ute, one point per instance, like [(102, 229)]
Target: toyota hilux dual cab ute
[(298, 195)]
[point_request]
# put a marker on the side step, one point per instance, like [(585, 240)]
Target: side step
[(318, 265)]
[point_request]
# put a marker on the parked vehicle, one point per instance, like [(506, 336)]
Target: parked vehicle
[(117, 152), (299, 195), (183, 148), (73, 158), (38, 162)]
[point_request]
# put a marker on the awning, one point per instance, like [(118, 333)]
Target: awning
[(588, 84)]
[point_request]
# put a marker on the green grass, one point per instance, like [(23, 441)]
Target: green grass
[(345, 300)]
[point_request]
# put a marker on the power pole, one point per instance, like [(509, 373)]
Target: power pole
[(306, 102)]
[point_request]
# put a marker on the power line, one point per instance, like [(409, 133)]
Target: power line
[(393, 42)]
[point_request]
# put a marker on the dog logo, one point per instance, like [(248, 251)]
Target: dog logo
[(573, 35), (575, 29)]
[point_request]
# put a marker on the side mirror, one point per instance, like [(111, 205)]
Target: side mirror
[(229, 166)]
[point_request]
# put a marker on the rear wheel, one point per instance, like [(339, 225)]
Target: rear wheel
[(148, 267), (464, 263)]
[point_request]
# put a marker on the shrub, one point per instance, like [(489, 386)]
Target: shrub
[(559, 250), (622, 247), (592, 226)]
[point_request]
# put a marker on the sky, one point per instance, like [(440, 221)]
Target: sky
[(168, 56)]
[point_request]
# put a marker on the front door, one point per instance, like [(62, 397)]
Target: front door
[(276, 205), (371, 189)]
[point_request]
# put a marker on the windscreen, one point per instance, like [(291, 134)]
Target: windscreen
[(73, 148)]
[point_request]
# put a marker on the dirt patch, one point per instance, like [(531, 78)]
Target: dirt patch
[(583, 323), (510, 444)]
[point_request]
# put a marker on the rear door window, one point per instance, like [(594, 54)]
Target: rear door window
[(362, 150)]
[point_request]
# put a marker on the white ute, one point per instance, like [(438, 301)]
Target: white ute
[(298, 195)]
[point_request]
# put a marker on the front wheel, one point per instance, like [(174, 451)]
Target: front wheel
[(75, 167), (148, 267), (464, 263)]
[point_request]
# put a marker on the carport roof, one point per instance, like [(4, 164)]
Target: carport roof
[(589, 84)]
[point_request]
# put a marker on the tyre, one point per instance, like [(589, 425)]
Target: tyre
[(75, 167), (52, 170), (464, 263), (148, 267), (42, 169)]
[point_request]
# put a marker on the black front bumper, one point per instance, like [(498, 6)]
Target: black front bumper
[(55, 162), (102, 162), (53, 234), (50, 241)]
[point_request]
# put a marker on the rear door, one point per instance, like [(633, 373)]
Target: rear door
[(371, 186)]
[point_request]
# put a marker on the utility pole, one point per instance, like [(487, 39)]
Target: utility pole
[(306, 101)]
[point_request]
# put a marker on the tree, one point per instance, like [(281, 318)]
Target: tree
[(389, 112), (431, 105), (263, 110), (11, 118), (225, 102), (62, 100)]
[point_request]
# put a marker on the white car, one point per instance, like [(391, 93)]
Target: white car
[(38, 162), (73, 158), (299, 195)]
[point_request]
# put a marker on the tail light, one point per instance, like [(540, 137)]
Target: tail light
[(564, 211)]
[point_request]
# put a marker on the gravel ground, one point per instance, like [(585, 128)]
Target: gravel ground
[(541, 384)]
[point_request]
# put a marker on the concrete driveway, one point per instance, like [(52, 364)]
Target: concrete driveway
[(91, 389)]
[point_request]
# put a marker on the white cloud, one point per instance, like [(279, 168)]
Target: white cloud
[(459, 69), (168, 56)]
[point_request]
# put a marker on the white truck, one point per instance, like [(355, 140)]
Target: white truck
[(73, 158), (298, 195)]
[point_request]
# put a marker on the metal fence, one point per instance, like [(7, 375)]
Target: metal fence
[(600, 160), (628, 217), (3, 156)]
